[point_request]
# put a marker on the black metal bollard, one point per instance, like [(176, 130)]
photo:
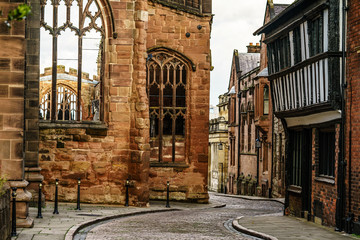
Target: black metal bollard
[(78, 196), (39, 215), (13, 223), (167, 194), (127, 193), (56, 197)]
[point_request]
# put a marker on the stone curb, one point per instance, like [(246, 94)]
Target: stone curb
[(250, 232), (78, 227), (249, 197)]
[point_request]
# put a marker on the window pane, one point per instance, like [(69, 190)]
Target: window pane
[(180, 125), (167, 121), (180, 96)]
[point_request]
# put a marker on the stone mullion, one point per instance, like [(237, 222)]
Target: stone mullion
[(174, 85), (54, 64)]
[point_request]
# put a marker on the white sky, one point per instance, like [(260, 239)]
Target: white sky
[(233, 27)]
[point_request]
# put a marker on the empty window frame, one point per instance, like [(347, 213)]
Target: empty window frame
[(167, 78), (316, 36), (327, 153), (72, 37)]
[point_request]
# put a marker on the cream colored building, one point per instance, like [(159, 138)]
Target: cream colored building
[(218, 145)]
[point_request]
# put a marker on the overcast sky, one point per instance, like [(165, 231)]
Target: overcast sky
[(233, 27)]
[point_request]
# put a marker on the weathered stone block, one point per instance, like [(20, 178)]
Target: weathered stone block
[(81, 166)]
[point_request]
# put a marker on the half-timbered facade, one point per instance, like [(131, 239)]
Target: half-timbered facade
[(304, 68)]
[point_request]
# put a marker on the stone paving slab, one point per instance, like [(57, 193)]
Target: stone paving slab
[(55, 226), (281, 227)]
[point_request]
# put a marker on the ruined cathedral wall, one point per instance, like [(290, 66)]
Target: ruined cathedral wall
[(104, 155), (168, 28)]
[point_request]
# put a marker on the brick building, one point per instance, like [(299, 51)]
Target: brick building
[(352, 116), (269, 130), (152, 59), (242, 156), (304, 49)]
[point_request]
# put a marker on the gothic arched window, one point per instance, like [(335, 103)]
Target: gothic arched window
[(66, 104), (72, 53), (167, 77)]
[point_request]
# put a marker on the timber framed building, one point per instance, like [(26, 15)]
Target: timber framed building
[(304, 50)]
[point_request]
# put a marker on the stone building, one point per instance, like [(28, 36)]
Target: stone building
[(218, 146), (152, 59), (304, 69), (242, 156)]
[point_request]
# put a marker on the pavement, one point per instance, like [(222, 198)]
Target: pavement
[(267, 226), (285, 228), (65, 224)]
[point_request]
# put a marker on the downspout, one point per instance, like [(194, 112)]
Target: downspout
[(272, 155), (257, 159), (340, 208), (344, 22), (239, 134)]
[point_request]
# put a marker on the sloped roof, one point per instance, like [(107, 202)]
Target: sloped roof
[(278, 8), (247, 62)]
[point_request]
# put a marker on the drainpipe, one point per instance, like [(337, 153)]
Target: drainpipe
[(257, 159), (341, 201), (272, 155), (239, 134)]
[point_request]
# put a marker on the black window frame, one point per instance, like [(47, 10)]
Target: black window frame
[(326, 152), (297, 45), (316, 35)]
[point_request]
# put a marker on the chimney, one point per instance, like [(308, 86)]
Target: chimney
[(253, 48)]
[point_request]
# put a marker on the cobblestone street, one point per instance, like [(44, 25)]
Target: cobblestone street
[(210, 223)]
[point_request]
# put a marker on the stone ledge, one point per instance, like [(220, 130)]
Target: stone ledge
[(169, 164), (71, 124), (329, 180)]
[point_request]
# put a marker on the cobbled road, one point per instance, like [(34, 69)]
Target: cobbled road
[(209, 223)]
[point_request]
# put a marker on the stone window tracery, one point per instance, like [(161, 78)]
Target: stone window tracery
[(167, 78), (72, 37), (66, 104)]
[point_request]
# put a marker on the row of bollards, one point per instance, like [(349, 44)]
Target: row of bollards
[(56, 210)]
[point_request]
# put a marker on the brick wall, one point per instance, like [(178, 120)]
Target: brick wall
[(352, 105), (324, 191)]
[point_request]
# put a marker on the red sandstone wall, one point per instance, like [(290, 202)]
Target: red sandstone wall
[(104, 156), (167, 28)]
